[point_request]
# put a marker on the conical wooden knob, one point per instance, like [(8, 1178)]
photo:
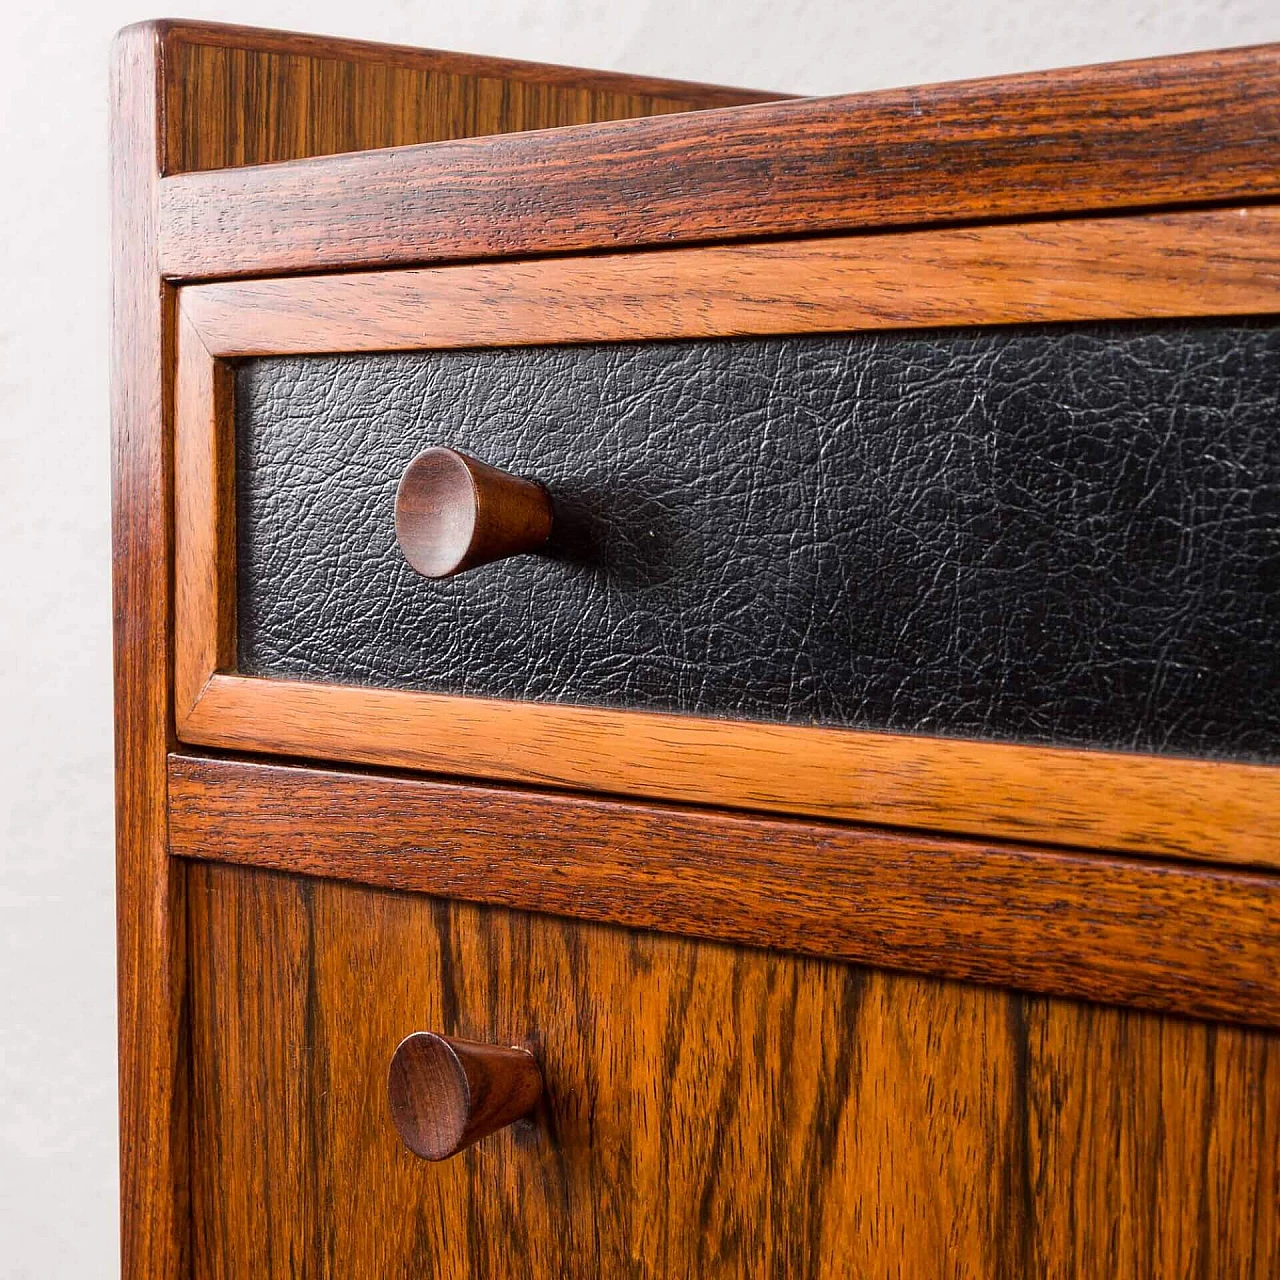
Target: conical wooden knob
[(447, 1094), (454, 513)]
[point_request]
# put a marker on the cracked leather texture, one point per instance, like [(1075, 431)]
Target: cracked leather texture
[(1065, 534)]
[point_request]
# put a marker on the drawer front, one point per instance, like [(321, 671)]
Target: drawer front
[(709, 1111), (1050, 534)]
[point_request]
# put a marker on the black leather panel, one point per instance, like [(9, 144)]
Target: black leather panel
[(1044, 534)]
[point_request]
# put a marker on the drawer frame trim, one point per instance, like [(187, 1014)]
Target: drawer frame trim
[(1183, 264), (1192, 940)]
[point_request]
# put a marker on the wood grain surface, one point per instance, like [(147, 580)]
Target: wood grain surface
[(708, 1111), (1188, 129), (204, 517), (454, 512), (237, 96), (149, 885), (1166, 806), (1194, 263), (1195, 940)]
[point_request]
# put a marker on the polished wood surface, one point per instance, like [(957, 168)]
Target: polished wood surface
[(454, 513), (708, 1111), (446, 1094), (1195, 940), (1170, 806), (1189, 264), (204, 507), (150, 913), (237, 95), (1193, 263), (1193, 128)]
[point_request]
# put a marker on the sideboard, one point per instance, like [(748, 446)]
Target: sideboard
[(697, 672)]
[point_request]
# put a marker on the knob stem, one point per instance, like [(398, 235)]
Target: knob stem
[(454, 513), (447, 1094)]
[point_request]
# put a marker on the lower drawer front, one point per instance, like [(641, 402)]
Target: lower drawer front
[(709, 1111)]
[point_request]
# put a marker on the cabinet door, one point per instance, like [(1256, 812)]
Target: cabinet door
[(708, 1110)]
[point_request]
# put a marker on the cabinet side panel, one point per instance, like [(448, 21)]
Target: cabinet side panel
[(149, 885)]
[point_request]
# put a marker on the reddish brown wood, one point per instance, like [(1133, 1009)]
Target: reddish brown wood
[(149, 885), (447, 1094), (1193, 128), (204, 507), (857, 1117), (1164, 936), (1208, 810), (1192, 263), (454, 513), (185, 94), (710, 1111), (239, 95)]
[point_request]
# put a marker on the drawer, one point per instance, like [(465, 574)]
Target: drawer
[(707, 1110), (825, 541)]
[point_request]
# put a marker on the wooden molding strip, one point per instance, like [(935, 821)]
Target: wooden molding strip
[(1189, 129), (1189, 940), (1194, 263), (204, 508), (1216, 262), (1086, 799)]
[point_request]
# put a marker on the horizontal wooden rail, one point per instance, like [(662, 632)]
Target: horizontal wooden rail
[(1209, 262), (1180, 938), (1189, 129)]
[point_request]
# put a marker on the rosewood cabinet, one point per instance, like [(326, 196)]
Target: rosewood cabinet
[(755, 622)]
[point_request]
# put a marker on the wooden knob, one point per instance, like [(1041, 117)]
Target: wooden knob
[(454, 513), (447, 1094)]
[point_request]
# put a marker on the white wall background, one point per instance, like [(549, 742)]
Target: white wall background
[(57, 993)]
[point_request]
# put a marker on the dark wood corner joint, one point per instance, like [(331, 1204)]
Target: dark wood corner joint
[(446, 1094), (454, 513)]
